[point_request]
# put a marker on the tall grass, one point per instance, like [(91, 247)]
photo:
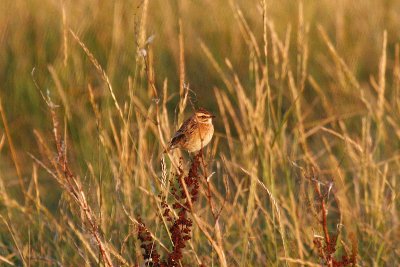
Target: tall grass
[(303, 168)]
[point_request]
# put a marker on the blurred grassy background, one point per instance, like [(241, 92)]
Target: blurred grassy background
[(333, 103)]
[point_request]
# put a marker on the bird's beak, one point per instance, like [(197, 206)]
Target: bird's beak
[(213, 116)]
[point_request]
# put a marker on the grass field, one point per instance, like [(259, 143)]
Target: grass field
[(304, 166)]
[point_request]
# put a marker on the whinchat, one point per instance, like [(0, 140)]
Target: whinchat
[(195, 133)]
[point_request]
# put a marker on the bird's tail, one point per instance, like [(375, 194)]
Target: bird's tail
[(166, 150), (169, 148)]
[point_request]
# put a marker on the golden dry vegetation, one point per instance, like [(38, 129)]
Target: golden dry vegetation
[(303, 169)]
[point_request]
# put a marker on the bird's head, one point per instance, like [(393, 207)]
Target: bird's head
[(204, 116)]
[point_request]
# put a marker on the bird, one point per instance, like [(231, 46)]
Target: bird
[(195, 133)]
